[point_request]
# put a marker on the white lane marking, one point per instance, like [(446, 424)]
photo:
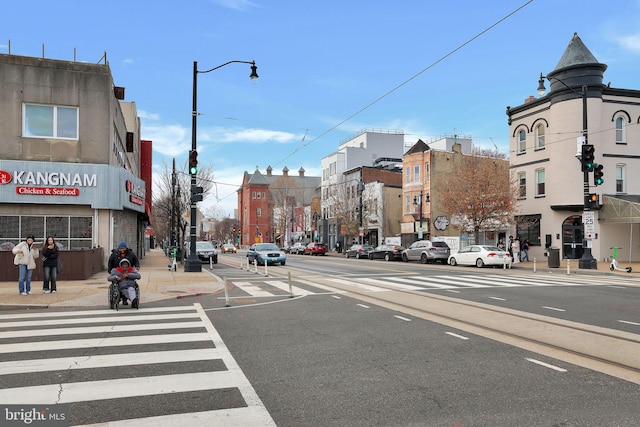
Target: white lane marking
[(335, 296), (99, 329), (498, 299), (457, 336), (362, 305), (546, 365), (92, 312), (402, 318), (107, 360), (102, 342), (242, 382), (358, 285), (136, 318), (629, 323), (392, 284), (285, 287), (553, 308), (252, 289)]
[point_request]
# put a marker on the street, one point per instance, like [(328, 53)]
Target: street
[(326, 341)]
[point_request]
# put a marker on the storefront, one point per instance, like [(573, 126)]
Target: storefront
[(84, 206)]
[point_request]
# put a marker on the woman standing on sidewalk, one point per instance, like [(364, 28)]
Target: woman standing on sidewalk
[(50, 265), (25, 259)]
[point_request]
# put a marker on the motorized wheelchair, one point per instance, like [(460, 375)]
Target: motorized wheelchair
[(115, 296)]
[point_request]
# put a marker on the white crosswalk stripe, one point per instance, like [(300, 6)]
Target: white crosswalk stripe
[(179, 355), (469, 281)]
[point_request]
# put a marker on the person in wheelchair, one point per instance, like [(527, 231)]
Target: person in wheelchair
[(125, 275)]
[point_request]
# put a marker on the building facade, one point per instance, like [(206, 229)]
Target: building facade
[(275, 208), (367, 148), (546, 138), (72, 158)]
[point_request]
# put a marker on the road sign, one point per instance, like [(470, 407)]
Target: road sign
[(589, 222)]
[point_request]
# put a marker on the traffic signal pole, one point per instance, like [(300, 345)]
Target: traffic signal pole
[(587, 261)]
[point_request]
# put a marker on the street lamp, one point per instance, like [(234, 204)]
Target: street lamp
[(193, 264), (587, 261)]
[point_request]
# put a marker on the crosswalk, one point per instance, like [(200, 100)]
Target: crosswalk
[(266, 287), (151, 367), (475, 281)]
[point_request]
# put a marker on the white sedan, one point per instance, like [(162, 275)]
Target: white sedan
[(481, 255)]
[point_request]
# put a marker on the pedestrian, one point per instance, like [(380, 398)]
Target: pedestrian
[(525, 249), (515, 250), (126, 277), (50, 265), (123, 252), (26, 254), (509, 246)]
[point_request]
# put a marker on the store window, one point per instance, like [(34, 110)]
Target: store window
[(528, 228), (50, 121), (70, 232)]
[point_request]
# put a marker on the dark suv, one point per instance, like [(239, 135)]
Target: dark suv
[(315, 249), (427, 251)]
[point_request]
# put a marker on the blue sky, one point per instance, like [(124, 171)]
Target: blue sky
[(327, 68)]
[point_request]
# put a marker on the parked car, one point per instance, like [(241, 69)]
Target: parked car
[(205, 250), (427, 251), (268, 253), (229, 248), (358, 251), (315, 248), (387, 252), (297, 248), (481, 255)]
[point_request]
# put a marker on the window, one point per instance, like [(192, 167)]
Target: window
[(620, 172), (259, 212), (407, 174), (540, 192), (528, 228), (407, 204), (522, 185), (620, 131), (253, 195), (416, 173), (426, 172), (70, 232), (539, 137), (47, 121), (332, 168), (522, 142)]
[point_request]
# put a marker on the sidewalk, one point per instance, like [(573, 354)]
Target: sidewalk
[(157, 283)]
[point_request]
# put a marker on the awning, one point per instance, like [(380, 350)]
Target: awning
[(620, 209)]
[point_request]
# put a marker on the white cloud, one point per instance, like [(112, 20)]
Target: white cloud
[(630, 42), (170, 140), (232, 135), (236, 4)]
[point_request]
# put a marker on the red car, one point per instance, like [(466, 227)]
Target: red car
[(315, 249)]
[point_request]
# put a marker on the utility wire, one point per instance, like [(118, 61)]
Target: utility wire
[(375, 101)]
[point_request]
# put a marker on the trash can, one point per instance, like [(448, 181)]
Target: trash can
[(553, 257)]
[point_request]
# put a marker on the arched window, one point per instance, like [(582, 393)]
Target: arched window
[(621, 137), (522, 142), (540, 137)]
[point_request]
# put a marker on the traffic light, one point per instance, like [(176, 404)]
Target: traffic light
[(598, 175), (588, 157), (193, 162), (593, 201), (196, 194)]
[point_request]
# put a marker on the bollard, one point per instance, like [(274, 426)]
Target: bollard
[(226, 293), (255, 264), (290, 287), (568, 268), (534, 265), (210, 263), (266, 270)]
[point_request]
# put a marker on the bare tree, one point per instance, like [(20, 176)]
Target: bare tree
[(172, 197), (479, 194)]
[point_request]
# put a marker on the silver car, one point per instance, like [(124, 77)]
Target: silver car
[(427, 251)]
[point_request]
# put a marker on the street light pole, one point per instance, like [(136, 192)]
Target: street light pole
[(193, 263), (587, 261)]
